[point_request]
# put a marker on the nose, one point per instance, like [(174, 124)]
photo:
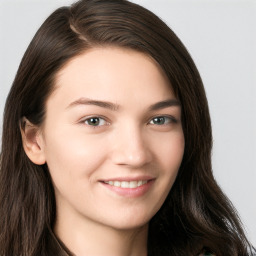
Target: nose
[(131, 148)]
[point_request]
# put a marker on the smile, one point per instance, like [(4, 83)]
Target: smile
[(126, 184), (129, 187)]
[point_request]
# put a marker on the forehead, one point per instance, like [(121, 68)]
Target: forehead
[(115, 73)]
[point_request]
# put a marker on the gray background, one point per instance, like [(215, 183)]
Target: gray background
[(221, 37)]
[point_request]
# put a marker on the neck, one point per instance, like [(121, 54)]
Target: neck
[(90, 238)]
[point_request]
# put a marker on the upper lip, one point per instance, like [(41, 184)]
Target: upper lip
[(137, 178)]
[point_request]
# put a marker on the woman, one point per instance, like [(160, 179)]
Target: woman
[(107, 143)]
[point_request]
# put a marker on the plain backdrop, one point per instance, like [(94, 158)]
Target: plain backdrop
[(221, 37)]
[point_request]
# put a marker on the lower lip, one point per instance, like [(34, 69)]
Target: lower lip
[(130, 192)]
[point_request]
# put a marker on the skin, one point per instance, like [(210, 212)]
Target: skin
[(85, 143)]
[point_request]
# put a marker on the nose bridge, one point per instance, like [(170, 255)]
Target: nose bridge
[(130, 147)]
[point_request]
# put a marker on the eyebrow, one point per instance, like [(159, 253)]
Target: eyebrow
[(103, 104), (164, 104), (116, 107)]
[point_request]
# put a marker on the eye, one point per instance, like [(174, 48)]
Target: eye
[(162, 120), (95, 121)]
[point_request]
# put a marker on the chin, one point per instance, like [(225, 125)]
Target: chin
[(130, 222)]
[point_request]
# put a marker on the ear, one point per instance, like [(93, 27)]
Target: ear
[(32, 140)]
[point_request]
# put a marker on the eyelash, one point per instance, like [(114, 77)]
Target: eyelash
[(167, 120)]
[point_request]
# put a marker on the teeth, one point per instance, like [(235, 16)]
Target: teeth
[(126, 184), (133, 184), (116, 183)]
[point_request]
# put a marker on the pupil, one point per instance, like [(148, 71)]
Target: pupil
[(94, 121)]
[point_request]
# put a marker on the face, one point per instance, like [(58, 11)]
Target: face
[(112, 138)]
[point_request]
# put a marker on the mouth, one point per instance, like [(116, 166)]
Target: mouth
[(126, 187), (126, 184)]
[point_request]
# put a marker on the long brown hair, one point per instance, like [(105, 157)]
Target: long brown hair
[(196, 213)]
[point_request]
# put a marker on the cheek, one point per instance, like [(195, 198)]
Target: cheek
[(72, 155), (170, 152)]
